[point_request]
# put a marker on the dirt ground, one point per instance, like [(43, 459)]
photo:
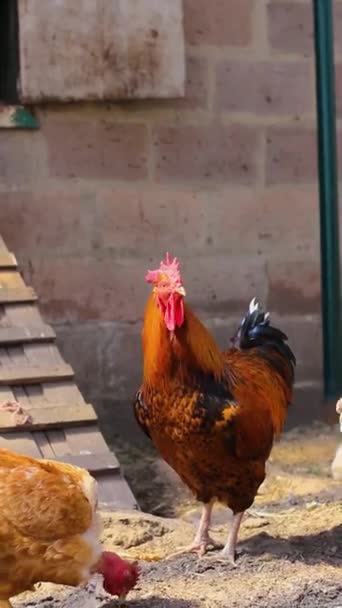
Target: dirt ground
[(290, 550)]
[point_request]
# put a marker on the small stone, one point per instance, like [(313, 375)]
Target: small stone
[(267, 557), (311, 505)]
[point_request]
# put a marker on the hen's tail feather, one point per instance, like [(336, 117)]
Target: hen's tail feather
[(255, 331)]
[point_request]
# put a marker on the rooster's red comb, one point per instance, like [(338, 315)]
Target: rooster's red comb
[(170, 268)]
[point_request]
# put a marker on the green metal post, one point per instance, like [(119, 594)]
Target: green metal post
[(328, 189)]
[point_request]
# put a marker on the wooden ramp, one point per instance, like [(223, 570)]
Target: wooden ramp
[(33, 373)]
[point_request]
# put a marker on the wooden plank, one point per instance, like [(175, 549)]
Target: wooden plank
[(94, 463), (33, 374), (36, 401), (2, 244), (84, 440), (4, 358), (52, 417), (58, 443), (21, 397), (22, 443), (24, 294), (6, 394), (114, 492), (147, 61), (4, 322), (30, 397), (11, 279), (36, 353), (62, 391), (36, 396), (23, 313), (43, 445), (17, 355), (7, 260), (23, 335)]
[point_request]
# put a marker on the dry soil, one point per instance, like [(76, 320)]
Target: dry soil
[(290, 549)]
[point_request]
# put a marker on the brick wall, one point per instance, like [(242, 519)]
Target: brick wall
[(225, 179)]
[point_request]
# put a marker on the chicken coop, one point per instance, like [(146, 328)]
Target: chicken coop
[(58, 424)]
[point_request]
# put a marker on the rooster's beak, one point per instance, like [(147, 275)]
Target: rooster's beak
[(181, 291)]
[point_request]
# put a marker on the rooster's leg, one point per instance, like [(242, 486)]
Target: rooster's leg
[(228, 551), (203, 539)]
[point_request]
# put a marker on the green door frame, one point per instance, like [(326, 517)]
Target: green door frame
[(328, 192)]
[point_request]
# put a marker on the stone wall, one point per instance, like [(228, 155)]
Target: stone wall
[(226, 179)]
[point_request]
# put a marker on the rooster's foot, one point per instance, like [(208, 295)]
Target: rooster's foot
[(202, 539), (199, 547)]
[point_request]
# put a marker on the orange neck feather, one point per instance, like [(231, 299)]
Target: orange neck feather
[(202, 347), (192, 345), (156, 344)]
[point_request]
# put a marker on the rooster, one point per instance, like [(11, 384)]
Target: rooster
[(212, 415), (49, 529)]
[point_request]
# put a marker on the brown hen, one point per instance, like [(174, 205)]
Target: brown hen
[(50, 531)]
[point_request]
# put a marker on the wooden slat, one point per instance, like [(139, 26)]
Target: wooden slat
[(4, 358), (16, 355), (24, 294), (2, 244), (52, 417), (6, 394), (7, 260), (85, 439), (35, 401), (27, 374), (58, 443), (23, 335), (23, 313), (48, 393), (64, 390), (11, 279), (114, 492), (43, 444), (36, 396), (94, 463), (21, 397), (21, 442), (4, 322), (36, 353)]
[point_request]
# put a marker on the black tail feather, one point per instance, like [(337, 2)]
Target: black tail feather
[(255, 331)]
